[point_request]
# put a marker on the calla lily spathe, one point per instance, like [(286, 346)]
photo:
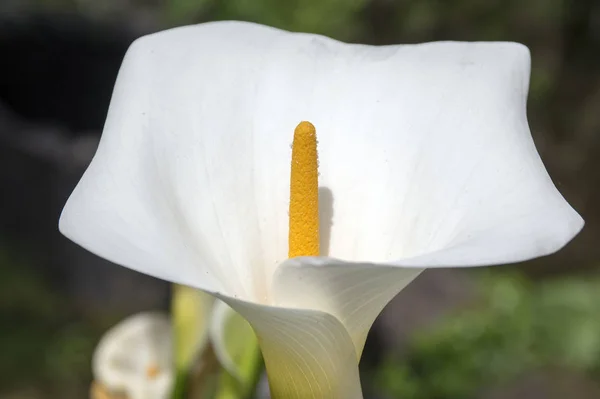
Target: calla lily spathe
[(425, 160)]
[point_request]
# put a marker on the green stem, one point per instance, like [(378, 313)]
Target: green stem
[(181, 385)]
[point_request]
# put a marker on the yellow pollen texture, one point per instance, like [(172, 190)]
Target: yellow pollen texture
[(304, 193)]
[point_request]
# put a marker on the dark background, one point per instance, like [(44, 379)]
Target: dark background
[(524, 331)]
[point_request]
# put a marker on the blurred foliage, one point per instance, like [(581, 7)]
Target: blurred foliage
[(41, 339), (339, 18), (518, 326)]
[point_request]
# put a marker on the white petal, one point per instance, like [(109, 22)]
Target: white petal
[(176, 189), (308, 354), (355, 293), (421, 148), (438, 151), (125, 352)]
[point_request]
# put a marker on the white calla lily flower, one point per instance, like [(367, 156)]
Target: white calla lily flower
[(425, 160), (135, 359)]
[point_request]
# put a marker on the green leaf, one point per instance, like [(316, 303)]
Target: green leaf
[(180, 12)]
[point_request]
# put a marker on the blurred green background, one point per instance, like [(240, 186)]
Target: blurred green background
[(522, 331)]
